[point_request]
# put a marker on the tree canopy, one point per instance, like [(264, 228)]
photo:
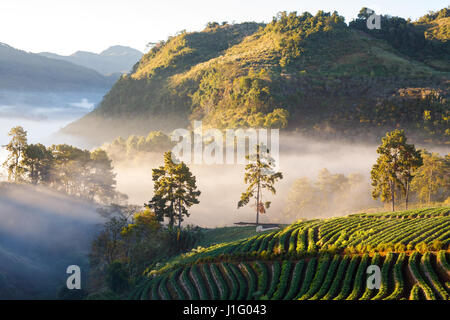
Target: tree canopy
[(395, 167), (175, 190), (259, 175), (77, 172)]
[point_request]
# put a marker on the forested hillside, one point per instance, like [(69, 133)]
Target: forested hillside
[(310, 73)]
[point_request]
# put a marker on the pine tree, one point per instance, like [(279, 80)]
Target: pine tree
[(175, 190), (259, 175), (15, 147), (37, 162)]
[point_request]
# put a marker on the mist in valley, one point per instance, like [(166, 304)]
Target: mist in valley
[(42, 232), (300, 157), (222, 185)]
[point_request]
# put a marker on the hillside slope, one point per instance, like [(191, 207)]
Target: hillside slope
[(318, 259), (309, 73), (23, 71)]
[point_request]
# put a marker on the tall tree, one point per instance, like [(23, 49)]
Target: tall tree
[(410, 161), (101, 179), (394, 168), (15, 148), (175, 190), (259, 175), (71, 169), (37, 162), (432, 177)]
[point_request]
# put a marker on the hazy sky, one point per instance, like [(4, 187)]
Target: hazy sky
[(65, 26)]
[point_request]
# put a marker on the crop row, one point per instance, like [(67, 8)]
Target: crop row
[(416, 227), (326, 277)]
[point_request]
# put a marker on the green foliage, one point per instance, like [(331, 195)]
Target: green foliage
[(117, 277), (432, 179), (298, 30), (137, 242), (434, 15), (77, 172), (398, 278), (121, 149), (389, 238), (414, 268), (385, 275), (395, 167), (16, 148), (175, 190), (283, 281), (275, 279), (348, 279), (322, 269), (252, 281), (295, 282), (259, 175), (306, 72), (173, 282), (200, 283), (189, 285), (37, 163), (221, 283), (328, 279), (263, 278), (432, 276), (307, 280), (408, 37)]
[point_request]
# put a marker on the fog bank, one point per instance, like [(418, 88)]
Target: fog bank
[(222, 185), (41, 233)]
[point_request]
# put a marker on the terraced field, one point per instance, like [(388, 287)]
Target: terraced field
[(318, 259)]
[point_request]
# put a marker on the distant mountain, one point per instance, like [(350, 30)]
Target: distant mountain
[(24, 71), (116, 59), (309, 73)]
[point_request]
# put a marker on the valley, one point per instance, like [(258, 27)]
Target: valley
[(144, 169)]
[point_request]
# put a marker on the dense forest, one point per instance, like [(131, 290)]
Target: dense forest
[(76, 172)]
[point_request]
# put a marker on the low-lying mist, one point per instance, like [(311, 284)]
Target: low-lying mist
[(222, 185), (41, 233)]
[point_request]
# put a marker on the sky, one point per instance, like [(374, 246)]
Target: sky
[(66, 26)]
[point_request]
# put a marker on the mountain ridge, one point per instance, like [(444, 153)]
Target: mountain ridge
[(113, 60), (21, 70), (302, 72)]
